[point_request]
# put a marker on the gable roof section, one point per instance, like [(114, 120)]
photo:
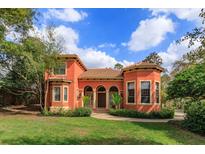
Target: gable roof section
[(75, 57), (143, 65), (102, 73)]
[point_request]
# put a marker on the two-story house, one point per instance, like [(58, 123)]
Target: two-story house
[(138, 84)]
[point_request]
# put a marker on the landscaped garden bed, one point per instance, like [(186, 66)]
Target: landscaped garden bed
[(78, 112), (165, 113)]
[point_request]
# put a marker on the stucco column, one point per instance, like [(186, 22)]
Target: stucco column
[(107, 99), (94, 98), (82, 95)]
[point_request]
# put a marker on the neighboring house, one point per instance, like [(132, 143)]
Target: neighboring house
[(138, 84)]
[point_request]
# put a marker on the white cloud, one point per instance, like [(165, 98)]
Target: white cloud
[(175, 52), (68, 15), (150, 33), (189, 14), (93, 58), (107, 45), (69, 36)]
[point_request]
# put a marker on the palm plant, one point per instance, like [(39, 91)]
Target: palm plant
[(86, 100), (116, 99)]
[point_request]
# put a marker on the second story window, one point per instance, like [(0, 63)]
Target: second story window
[(60, 70)]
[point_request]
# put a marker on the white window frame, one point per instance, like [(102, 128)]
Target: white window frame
[(159, 92), (64, 93), (53, 93), (150, 102), (134, 103)]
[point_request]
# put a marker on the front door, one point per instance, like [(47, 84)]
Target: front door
[(101, 100)]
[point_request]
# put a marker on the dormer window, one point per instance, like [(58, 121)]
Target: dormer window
[(60, 70)]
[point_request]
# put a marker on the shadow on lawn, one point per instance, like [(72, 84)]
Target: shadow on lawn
[(76, 141)]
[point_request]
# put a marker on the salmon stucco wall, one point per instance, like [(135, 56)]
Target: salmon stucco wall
[(73, 70), (76, 92), (77, 85), (138, 76)]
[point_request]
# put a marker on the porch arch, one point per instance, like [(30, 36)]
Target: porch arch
[(88, 91), (101, 97)]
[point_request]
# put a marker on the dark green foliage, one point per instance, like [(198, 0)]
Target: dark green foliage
[(20, 20), (188, 83), (118, 66), (153, 58), (79, 112), (195, 117), (82, 112), (165, 113)]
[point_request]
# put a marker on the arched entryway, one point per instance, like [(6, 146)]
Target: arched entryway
[(112, 90), (101, 97), (88, 91)]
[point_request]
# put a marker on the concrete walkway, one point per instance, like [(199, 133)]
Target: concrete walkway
[(106, 116)]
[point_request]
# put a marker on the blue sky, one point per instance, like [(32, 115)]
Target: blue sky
[(102, 37)]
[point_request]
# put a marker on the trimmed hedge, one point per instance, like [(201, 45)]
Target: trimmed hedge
[(165, 113), (78, 112), (195, 117)]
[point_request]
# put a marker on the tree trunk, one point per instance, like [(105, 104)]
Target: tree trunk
[(46, 93)]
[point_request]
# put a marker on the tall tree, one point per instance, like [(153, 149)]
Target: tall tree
[(27, 60), (189, 83), (153, 58), (165, 78), (196, 56), (118, 66)]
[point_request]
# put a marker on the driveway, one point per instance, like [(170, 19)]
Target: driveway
[(178, 116)]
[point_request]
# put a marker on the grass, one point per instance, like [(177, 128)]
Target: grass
[(24, 129)]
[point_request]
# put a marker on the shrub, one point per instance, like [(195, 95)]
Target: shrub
[(165, 113), (195, 117), (79, 112), (82, 112)]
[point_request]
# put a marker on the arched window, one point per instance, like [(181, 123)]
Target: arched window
[(113, 89), (101, 89)]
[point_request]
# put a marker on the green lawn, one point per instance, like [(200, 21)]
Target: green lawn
[(22, 129)]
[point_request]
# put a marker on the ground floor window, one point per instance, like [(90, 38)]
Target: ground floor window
[(59, 91), (131, 92), (145, 91), (65, 91), (56, 93), (157, 91)]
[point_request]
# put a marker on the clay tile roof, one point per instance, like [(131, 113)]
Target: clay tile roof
[(143, 65), (101, 73), (74, 56)]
